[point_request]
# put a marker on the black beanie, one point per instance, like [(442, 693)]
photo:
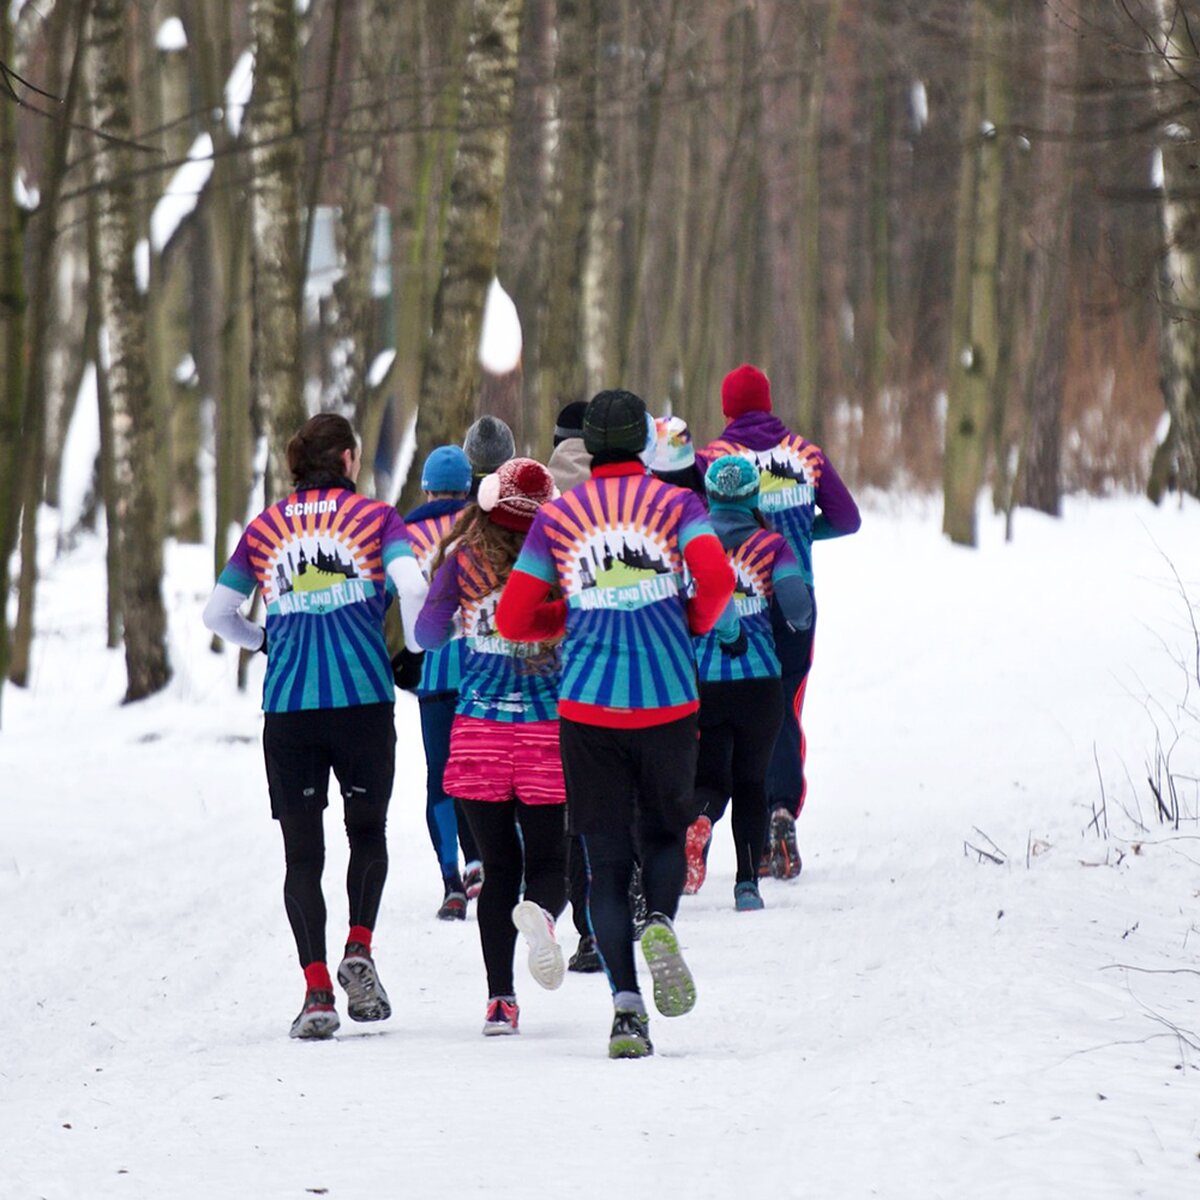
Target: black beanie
[(615, 423), (569, 422)]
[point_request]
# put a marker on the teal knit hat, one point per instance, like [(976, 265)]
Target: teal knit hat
[(732, 482)]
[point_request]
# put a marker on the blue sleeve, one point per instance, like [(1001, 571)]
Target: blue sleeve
[(792, 594)]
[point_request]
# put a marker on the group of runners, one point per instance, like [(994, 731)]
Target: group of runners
[(607, 650)]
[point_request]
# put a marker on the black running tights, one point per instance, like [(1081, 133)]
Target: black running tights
[(738, 726), (304, 850), (539, 850), (610, 860)]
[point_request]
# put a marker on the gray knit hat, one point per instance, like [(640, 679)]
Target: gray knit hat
[(489, 442)]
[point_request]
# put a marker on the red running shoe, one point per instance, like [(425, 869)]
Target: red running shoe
[(696, 849), (502, 1016)]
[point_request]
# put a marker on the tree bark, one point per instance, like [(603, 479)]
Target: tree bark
[(561, 370), (12, 345), (821, 26), (169, 301), (1176, 66), (371, 39), (450, 372), (974, 338), (277, 270), (135, 442), (1039, 482)]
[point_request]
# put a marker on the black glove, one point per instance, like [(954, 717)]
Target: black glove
[(737, 647), (406, 669)]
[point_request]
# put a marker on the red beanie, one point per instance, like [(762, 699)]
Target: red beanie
[(745, 389), (513, 493)]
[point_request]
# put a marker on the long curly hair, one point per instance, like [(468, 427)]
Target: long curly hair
[(478, 535), (497, 546)]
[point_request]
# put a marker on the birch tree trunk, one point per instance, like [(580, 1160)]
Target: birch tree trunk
[(277, 270), (450, 372), (134, 437), (1176, 66)]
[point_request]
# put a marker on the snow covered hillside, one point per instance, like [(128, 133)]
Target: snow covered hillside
[(908, 1019)]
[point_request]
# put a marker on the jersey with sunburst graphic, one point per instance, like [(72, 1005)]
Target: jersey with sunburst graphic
[(320, 559), (615, 546), (789, 476), (758, 563), (441, 669)]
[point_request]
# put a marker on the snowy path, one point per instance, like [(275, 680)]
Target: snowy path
[(903, 1021)]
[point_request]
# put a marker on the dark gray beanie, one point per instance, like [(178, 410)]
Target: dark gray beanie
[(615, 423), (489, 442)]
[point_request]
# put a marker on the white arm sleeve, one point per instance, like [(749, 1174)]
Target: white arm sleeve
[(411, 590), (222, 614)]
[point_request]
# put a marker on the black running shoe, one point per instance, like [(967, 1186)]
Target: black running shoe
[(630, 1036), (785, 855), (318, 1019), (586, 959), (454, 907), (365, 998)]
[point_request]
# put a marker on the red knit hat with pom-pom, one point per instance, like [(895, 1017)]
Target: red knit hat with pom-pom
[(514, 492), (745, 389)]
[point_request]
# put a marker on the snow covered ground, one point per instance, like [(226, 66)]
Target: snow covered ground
[(909, 1019)]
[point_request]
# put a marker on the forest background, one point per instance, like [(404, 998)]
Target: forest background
[(962, 237)]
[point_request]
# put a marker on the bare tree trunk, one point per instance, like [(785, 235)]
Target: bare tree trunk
[(371, 39), (1176, 66), (223, 335), (1039, 482), (43, 260), (974, 332), (450, 373), (875, 458), (275, 232), (169, 301), (134, 435), (820, 28), (631, 309), (562, 376), (108, 473), (12, 343)]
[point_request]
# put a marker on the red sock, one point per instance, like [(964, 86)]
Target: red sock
[(360, 934), (316, 976)]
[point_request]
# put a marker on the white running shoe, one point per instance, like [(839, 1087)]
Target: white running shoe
[(545, 954)]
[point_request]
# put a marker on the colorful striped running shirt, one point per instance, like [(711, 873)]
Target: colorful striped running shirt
[(759, 562), (441, 669), (501, 680), (614, 546), (320, 558)]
